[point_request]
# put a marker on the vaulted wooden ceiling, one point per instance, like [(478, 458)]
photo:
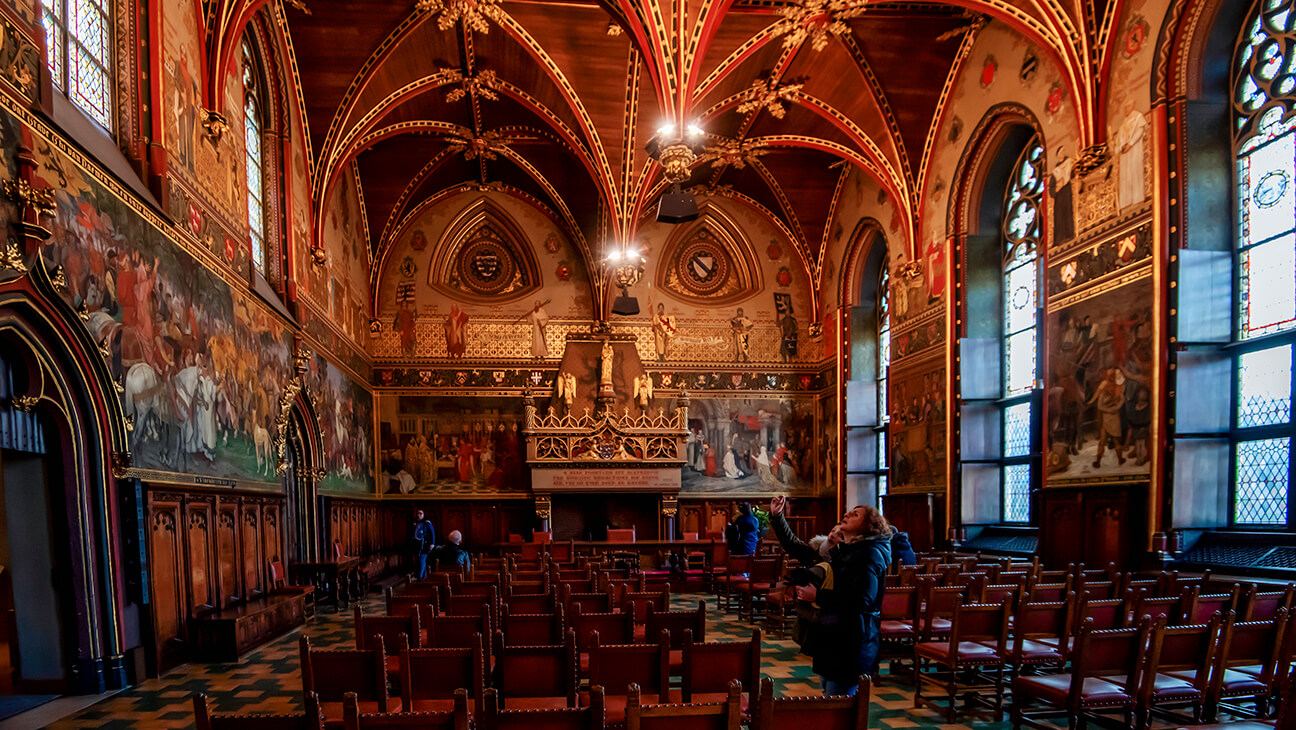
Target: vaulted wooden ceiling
[(556, 99)]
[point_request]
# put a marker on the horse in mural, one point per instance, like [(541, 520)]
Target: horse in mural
[(147, 399), (196, 397)]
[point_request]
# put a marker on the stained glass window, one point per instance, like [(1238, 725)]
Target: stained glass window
[(78, 35), (252, 130), (1022, 230), (1264, 90), (884, 341)]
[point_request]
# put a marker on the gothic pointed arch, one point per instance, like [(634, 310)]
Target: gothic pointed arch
[(489, 258), (710, 261), (857, 276)]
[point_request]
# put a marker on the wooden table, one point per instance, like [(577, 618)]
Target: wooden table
[(328, 576)]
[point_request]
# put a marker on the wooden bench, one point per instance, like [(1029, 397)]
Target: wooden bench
[(223, 636)]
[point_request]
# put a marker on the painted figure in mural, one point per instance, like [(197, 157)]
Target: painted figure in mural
[(404, 324), (539, 328), (466, 455), (788, 343), (708, 459), (1109, 398), (606, 359), (1129, 139), (731, 464), (1063, 212), (664, 330), (740, 327), (454, 331), (763, 467)]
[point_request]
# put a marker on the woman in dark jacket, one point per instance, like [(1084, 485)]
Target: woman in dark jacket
[(747, 529), (844, 640)]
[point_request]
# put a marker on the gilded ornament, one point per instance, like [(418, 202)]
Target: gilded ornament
[(481, 86), (121, 463), (21, 192), (768, 94), (215, 125), (473, 13), (816, 21), (58, 279), (12, 259), (25, 403)]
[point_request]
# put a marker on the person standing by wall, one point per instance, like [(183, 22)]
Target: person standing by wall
[(422, 541), (746, 531)]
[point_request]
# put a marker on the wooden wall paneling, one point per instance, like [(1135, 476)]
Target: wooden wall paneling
[(167, 578), (920, 515), (690, 519), (199, 564), (272, 540), (227, 551), (1095, 525), (485, 525), (719, 514), (453, 517), (253, 557)]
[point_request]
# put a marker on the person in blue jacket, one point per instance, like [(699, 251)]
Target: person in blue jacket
[(745, 530), (902, 551)]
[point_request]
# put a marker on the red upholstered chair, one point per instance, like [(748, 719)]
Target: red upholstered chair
[(591, 601), (530, 603), (899, 622), (310, 719), (978, 640), (736, 571), (676, 623), (621, 535), (1264, 606), (1104, 676), (430, 678), (399, 604), (638, 601), (937, 615), (332, 674), (1040, 635), (765, 572), (279, 584), (817, 713), (455, 718), (723, 714), (590, 716), (1247, 664), (710, 666), (1178, 667), (1049, 592), (615, 628), (536, 676), (1169, 607), (1106, 613), (615, 667), (1198, 607), (541, 538)]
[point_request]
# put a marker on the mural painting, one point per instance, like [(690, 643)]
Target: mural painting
[(1100, 385), (202, 366), (917, 433), (345, 412), (751, 446), (452, 445)]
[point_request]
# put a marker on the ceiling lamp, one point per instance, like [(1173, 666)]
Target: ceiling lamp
[(676, 150), (626, 268)]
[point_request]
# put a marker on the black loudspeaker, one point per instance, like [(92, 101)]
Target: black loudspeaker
[(677, 207), (625, 306)]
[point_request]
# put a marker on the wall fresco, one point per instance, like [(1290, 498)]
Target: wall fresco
[(752, 446)]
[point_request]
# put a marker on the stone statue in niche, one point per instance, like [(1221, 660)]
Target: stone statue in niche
[(606, 359), (539, 328), (740, 327), (1130, 141), (643, 391), (565, 389)]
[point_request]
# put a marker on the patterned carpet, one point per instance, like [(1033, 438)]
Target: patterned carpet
[(268, 680)]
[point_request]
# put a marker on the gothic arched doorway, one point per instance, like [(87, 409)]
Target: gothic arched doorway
[(301, 503)]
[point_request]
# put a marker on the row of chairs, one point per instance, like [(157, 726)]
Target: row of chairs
[(774, 713)]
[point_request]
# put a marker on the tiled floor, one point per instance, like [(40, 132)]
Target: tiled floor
[(268, 680)]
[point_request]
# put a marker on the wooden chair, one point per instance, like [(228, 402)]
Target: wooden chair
[(715, 564), (528, 603), (532, 629), (616, 666), (1104, 676), (469, 604), (590, 716), (1040, 635), (638, 601), (456, 632), (978, 641), (397, 633), (1246, 664), (820, 713), (1198, 608), (1178, 667), (598, 601), (725, 714), (1049, 592), (736, 570), (534, 677), (750, 593), (1168, 607), (780, 609), (615, 628), (1106, 613), (332, 674), (430, 678), (311, 719), (899, 623), (709, 668), (279, 584), (455, 718), (399, 604), (1264, 606), (621, 536), (938, 611), (676, 623)]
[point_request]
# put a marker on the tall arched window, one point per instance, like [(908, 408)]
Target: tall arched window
[(1261, 434), (866, 382), (253, 131), (1022, 219), (78, 34)]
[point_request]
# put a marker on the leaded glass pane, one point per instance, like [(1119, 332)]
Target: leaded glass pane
[(1019, 361), (1019, 299), (1260, 479), (882, 490), (1267, 279), (1264, 387), (882, 449), (253, 162), (884, 341), (1266, 190), (88, 83), (52, 20), (1016, 493), (1016, 430)]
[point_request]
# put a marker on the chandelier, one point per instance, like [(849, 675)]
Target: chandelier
[(676, 150)]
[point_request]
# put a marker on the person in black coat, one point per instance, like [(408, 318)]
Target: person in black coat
[(843, 642), (746, 531)]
